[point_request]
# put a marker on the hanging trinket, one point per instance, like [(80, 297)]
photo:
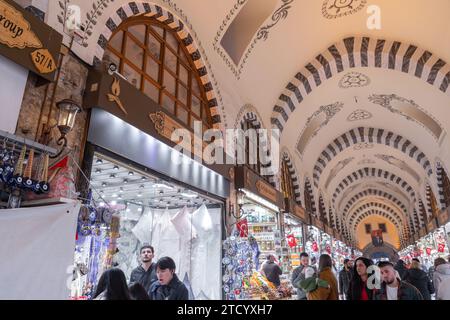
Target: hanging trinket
[(8, 160), (43, 181), (29, 183), (17, 180)]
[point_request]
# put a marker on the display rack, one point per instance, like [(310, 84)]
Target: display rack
[(11, 140)]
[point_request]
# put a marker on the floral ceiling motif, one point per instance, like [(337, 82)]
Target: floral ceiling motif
[(358, 115), (354, 80), (333, 9)]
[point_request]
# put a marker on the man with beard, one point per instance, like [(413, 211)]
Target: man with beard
[(145, 274), (392, 287)]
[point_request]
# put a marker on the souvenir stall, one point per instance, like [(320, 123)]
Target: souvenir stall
[(327, 240), (340, 252), (163, 197), (295, 220), (259, 227), (314, 240)]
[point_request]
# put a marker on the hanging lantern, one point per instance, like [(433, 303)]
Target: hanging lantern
[(315, 247), (428, 251), (328, 249), (441, 247)]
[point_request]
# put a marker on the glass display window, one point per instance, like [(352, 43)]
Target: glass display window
[(176, 220)]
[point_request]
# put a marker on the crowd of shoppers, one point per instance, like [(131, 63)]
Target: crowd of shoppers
[(358, 280)]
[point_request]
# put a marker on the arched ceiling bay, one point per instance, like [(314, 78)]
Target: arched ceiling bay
[(396, 78)]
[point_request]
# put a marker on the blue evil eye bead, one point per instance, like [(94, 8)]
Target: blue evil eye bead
[(232, 238), (230, 267), (231, 252), (226, 278), (226, 288), (29, 183), (92, 216), (45, 187), (37, 188), (226, 260), (85, 230), (107, 216)]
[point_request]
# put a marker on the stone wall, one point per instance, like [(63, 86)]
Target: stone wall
[(36, 103)]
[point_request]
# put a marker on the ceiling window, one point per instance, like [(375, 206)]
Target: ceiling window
[(154, 59)]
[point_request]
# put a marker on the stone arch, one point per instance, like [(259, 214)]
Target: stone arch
[(354, 52), (369, 135), (294, 176), (442, 181), (377, 173), (250, 114), (309, 194), (136, 8), (376, 193)]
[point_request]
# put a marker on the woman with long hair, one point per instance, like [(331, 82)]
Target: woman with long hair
[(358, 289), (325, 273), (112, 286)]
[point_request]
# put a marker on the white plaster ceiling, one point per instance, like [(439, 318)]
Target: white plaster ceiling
[(295, 41)]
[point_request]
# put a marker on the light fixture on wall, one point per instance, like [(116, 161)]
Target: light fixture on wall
[(68, 110)]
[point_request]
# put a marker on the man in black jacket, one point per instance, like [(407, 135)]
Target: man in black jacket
[(168, 286), (393, 288), (145, 274), (344, 278)]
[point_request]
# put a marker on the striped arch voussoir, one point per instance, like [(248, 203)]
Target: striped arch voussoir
[(137, 8), (355, 52)]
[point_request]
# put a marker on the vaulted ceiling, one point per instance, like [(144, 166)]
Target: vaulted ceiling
[(363, 112)]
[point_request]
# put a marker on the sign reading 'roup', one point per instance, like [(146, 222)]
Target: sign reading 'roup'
[(15, 31)]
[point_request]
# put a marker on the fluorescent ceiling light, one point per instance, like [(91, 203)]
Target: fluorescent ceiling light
[(189, 195)]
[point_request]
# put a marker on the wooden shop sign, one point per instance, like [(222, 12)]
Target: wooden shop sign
[(266, 190), (296, 210), (444, 217), (28, 41), (120, 98), (245, 178)]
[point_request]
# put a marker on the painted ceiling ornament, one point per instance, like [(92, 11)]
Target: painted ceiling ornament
[(402, 165), (366, 161), (341, 165), (262, 33), (358, 115), (363, 145), (410, 110), (354, 80), (317, 121), (279, 14), (333, 9)]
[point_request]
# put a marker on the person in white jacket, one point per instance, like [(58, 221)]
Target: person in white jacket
[(441, 278)]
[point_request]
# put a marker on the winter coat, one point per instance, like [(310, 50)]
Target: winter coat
[(419, 279), (405, 291), (145, 278), (321, 293), (296, 278), (355, 290), (272, 271), (444, 290), (441, 273), (175, 290), (401, 269), (345, 276)]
